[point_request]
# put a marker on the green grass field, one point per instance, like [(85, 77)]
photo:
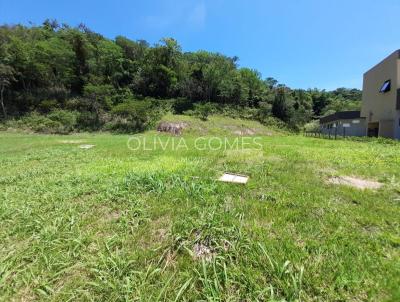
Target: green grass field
[(114, 224)]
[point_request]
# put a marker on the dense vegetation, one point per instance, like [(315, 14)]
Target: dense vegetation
[(59, 78)]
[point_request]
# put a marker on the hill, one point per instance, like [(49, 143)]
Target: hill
[(101, 84)]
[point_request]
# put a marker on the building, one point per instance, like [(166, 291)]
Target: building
[(381, 98), (380, 109), (344, 123)]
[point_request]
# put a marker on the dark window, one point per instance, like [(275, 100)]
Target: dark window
[(385, 87)]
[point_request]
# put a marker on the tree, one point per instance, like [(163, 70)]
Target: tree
[(302, 107), (281, 108), (252, 85), (271, 82), (320, 100), (52, 66), (107, 64), (6, 77), (82, 51)]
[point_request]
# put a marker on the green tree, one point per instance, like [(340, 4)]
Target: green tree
[(6, 77), (282, 107), (253, 87)]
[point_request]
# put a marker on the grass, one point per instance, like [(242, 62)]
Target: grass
[(109, 223)]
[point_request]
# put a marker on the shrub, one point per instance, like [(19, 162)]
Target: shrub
[(237, 111), (181, 105), (133, 116), (75, 104), (274, 123), (38, 123), (90, 121), (264, 111), (202, 111), (311, 126), (66, 118), (57, 122), (46, 106), (100, 95)]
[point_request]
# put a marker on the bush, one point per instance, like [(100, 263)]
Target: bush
[(66, 118), (47, 106), (133, 116), (89, 121), (75, 104), (57, 122), (311, 126), (238, 112), (202, 111), (181, 105), (39, 123), (275, 123), (264, 111), (99, 95)]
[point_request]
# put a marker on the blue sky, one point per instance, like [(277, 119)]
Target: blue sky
[(302, 43)]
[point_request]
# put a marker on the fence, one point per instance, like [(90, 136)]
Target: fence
[(329, 135)]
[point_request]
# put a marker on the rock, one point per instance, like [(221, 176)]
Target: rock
[(172, 127)]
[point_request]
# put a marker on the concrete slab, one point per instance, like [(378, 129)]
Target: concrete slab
[(234, 178)]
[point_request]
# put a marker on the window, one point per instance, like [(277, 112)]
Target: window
[(385, 87)]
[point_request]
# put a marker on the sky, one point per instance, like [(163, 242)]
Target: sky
[(322, 44)]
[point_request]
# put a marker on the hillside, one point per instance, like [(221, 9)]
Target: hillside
[(119, 84)]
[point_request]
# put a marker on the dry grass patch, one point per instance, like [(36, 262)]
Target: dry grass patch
[(25, 294), (86, 146), (72, 141), (354, 182)]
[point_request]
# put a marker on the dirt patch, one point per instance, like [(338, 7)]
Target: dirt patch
[(25, 294), (86, 146), (107, 214), (355, 182), (160, 228), (72, 141), (245, 131), (157, 233), (112, 216), (175, 128)]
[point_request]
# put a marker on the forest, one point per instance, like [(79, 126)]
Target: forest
[(55, 78)]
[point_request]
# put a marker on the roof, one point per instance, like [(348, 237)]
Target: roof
[(395, 53), (341, 115)]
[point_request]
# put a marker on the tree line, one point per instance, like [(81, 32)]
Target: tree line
[(76, 74)]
